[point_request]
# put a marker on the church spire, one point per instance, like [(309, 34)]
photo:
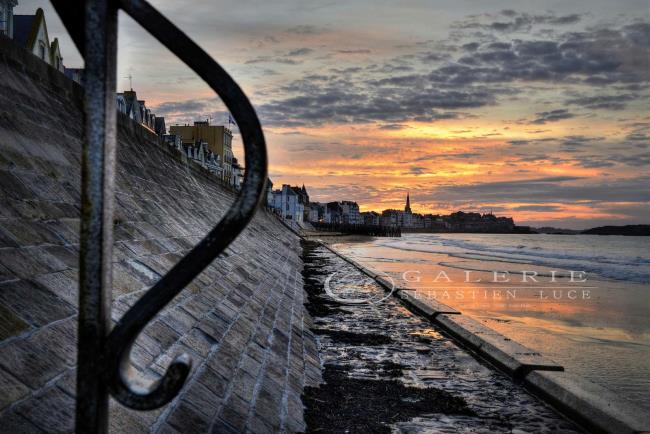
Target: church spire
[(407, 208)]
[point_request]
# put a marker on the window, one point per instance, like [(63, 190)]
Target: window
[(3, 21), (41, 51)]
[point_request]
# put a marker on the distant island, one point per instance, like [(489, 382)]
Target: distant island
[(629, 230), (555, 231)]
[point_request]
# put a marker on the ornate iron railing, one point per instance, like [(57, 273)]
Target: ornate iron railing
[(104, 364)]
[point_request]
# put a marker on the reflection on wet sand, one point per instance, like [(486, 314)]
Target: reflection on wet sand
[(579, 319)]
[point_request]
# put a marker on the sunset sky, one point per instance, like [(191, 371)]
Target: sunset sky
[(537, 110)]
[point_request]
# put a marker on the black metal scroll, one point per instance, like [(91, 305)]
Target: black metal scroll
[(104, 364)]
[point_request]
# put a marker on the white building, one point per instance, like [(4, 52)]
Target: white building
[(290, 203)]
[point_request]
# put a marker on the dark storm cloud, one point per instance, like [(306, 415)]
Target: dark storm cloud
[(552, 116), (594, 162), (575, 143), (417, 170), (300, 52), (282, 58), (635, 160), (440, 157), (306, 30), (593, 57), (603, 102), (539, 208), (550, 189), (393, 127), (270, 59), (357, 104), (512, 21), (170, 107), (483, 73), (637, 137), (358, 51)]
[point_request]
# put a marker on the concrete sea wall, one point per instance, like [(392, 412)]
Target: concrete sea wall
[(242, 320)]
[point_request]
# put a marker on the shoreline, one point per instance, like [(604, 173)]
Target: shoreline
[(400, 371), (593, 406)]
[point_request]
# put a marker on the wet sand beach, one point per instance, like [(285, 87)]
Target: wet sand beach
[(388, 370), (596, 327)]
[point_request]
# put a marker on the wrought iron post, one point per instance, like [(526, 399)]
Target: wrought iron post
[(103, 359), (96, 241)]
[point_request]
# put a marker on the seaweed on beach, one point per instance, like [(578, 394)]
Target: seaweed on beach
[(317, 305), (345, 404), (352, 338)]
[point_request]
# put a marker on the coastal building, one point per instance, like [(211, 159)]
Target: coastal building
[(391, 217), (350, 213), (218, 138), (174, 141), (399, 218), (159, 126), (7, 17), (200, 153), (289, 203), (30, 31), (315, 212), (136, 109), (371, 218), (269, 193), (333, 213), (475, 222), (407, 215), (435, 222), (75, 74), (237, 174)]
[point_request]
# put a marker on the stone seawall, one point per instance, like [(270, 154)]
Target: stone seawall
[(242, 320)]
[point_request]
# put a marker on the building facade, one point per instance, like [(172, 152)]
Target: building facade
[(218, 138), (315, 212), (7, 17), (30, 31), (237, 174), (371, 218), (290, 203), (136, 109), (350, 213)]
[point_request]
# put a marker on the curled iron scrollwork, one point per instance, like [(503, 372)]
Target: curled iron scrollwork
[(121, 379)]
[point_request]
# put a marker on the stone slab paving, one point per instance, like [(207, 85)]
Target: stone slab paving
[(429, 359)]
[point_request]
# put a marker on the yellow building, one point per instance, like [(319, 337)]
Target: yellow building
[(218, 138)]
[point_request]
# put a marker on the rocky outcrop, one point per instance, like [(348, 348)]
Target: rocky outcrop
[(628, 230)]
